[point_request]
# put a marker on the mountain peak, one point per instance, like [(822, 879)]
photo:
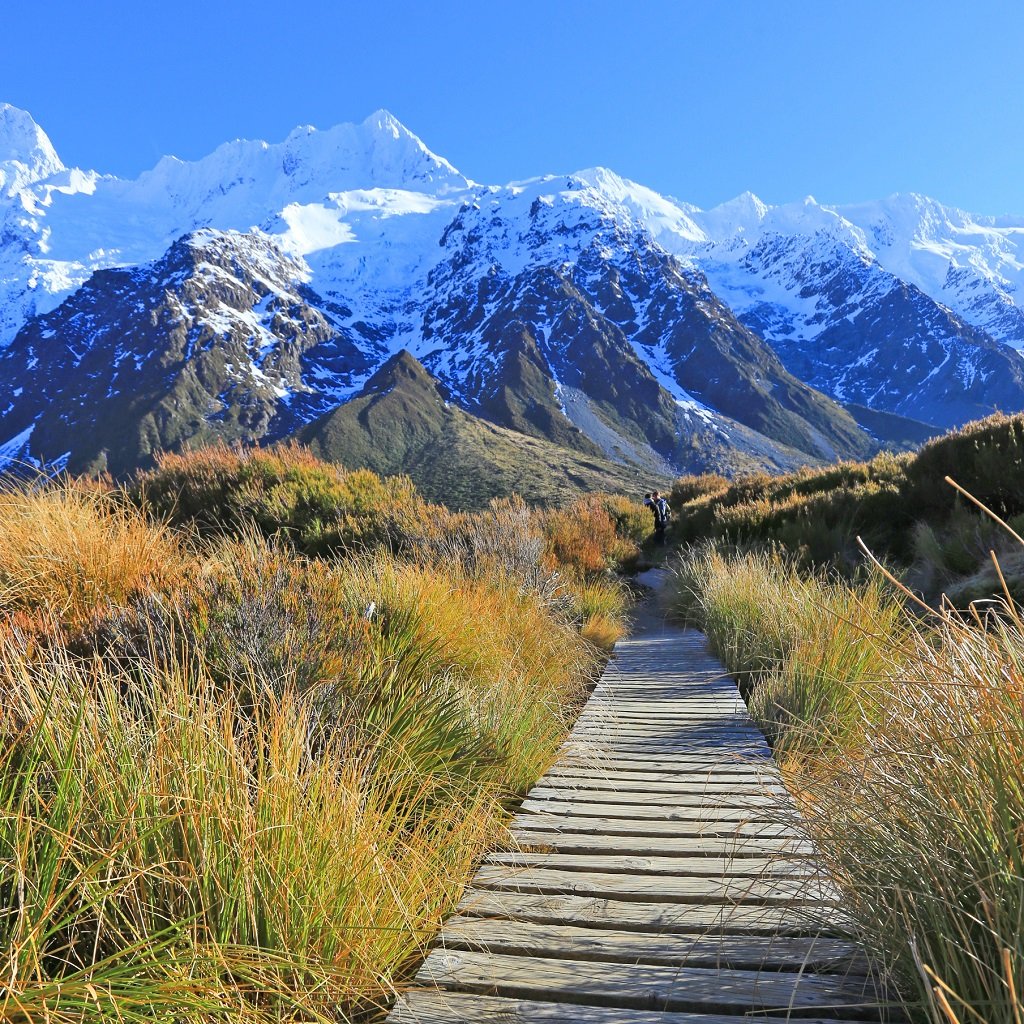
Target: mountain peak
[(389, 140), (402, 367), (26, 153), (384, 121), (739, 216)]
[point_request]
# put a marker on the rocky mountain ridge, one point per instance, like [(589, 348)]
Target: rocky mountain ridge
[(249, 293)]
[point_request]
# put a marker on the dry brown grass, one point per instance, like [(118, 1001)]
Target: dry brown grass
[(238, 783), (71, 549)]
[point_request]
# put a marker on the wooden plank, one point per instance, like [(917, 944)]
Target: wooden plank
[(656, 769), (707, 753), (441, 1007), (731, 846), (705, 739), (680, 784), (651, 827), (684, 709), (731, 889), (679, 760), (650, 987), (596, 912), (735, 952), (697, 823), (690, 776), (583, 789), (581, 807), (644, 703), (659, 864)]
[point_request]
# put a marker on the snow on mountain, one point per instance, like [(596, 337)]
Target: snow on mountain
[(26, 154), (584, 307), (58, 230), (972, 264), (220, 337)]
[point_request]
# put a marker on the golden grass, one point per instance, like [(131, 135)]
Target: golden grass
[(238, 783), (70, 549), (209, 852), (903, 736)]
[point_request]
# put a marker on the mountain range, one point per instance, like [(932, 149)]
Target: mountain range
[(352, 289)]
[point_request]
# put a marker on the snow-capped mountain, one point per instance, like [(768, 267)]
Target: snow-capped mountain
[(248, 293)]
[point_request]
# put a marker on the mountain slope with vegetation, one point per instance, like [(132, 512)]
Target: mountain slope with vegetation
[(400, 422), (900, 505)]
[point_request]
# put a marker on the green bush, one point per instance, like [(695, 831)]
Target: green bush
[(285, 492), (818, 515)]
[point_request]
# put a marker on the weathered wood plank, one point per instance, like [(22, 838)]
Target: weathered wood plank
[(630, 776), (629, 784), (442, 1007), (736, 952), (705, 739), (731, 846), (585, 790), (665, 761), (724, 828), (597, 912), (581, 807), (659, 864), (650, 987), (731, 890)]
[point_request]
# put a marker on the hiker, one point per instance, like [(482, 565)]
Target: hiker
[(648, 500), (659, 508)]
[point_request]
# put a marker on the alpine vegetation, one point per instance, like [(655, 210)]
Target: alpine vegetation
[(261, 716), (897, 721)]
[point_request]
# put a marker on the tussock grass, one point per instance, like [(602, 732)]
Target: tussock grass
[(247, 766), (70, 547), (169, 849), (811, 652), (903, 736)]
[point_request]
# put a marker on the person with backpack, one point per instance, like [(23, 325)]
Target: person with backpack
[(659, 508)]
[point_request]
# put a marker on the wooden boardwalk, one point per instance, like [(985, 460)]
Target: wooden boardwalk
[(659, 880)]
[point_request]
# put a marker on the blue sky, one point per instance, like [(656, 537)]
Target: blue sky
[(846, 101)]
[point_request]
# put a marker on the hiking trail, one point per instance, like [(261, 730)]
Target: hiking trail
[(662, 877)]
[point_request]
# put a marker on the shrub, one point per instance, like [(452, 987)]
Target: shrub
[(593, 534), (817, 515), (985, 457), (689, 488), (285, 491)]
